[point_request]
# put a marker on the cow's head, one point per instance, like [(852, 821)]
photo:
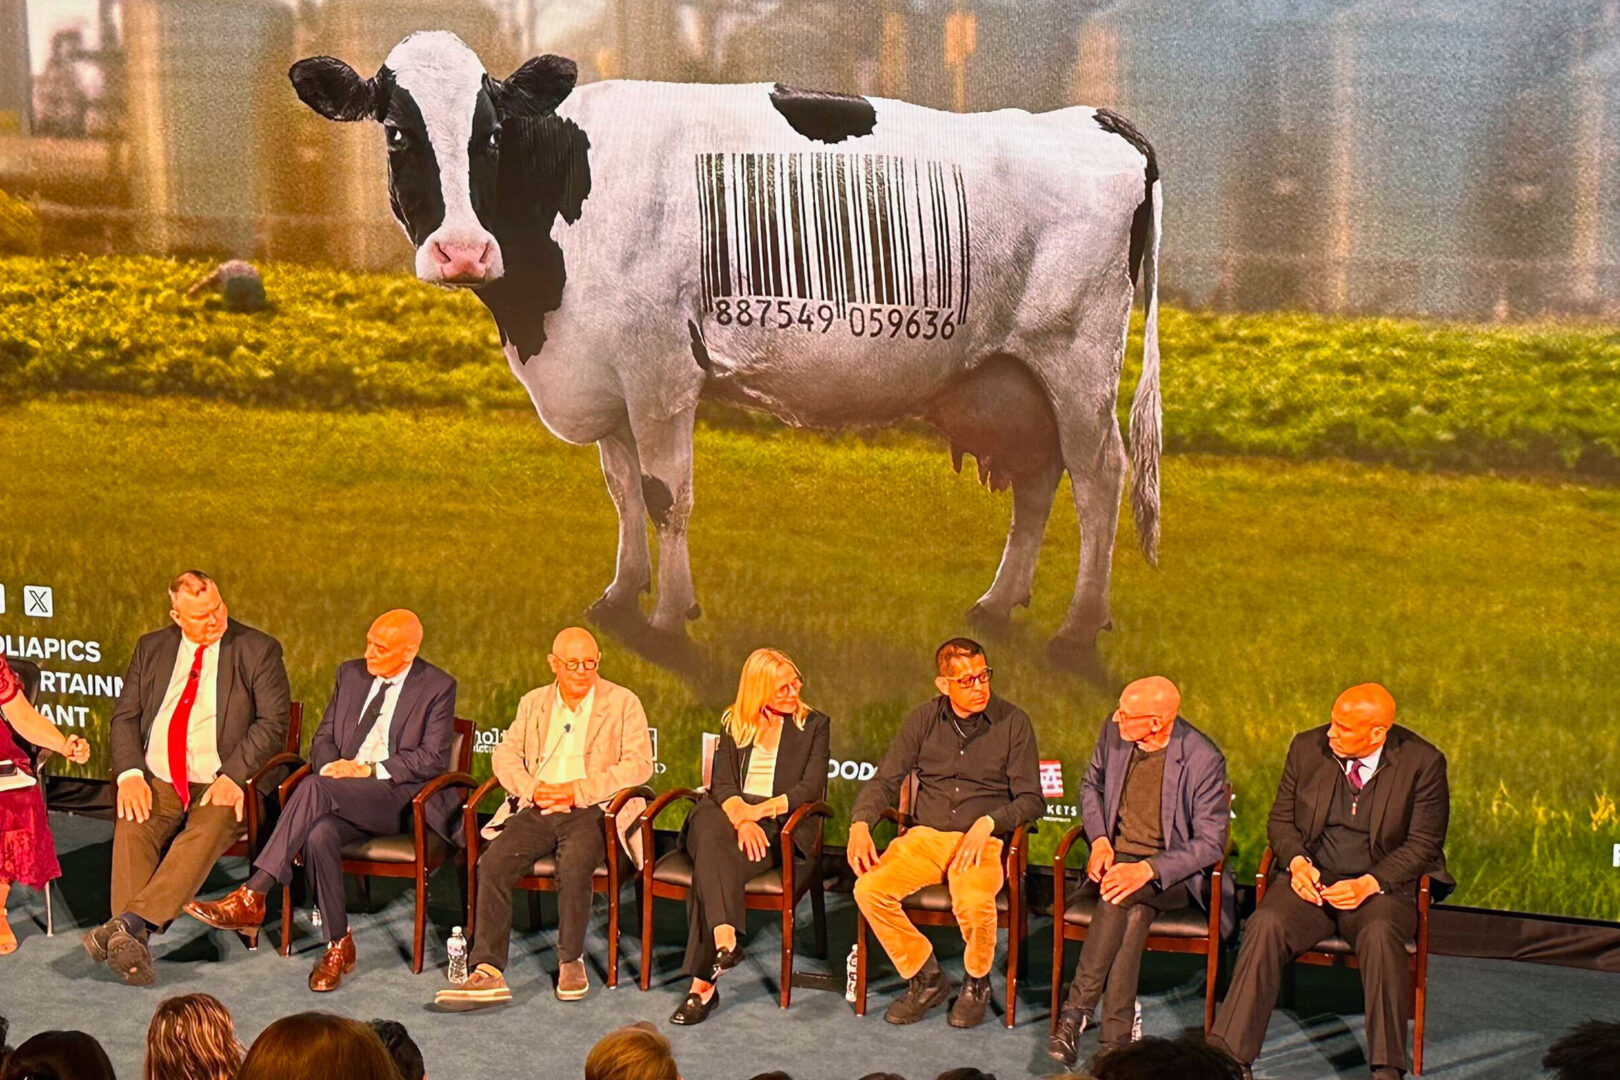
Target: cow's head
[(442, 115)]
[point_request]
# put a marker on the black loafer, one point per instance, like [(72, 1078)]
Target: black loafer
[(724, 961), (694, 1010)]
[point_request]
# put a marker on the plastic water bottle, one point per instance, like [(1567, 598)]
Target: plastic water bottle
[(1136, 1024), (457, 948), (315, 916), (849, 975)]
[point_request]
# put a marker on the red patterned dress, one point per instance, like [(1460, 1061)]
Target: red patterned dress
[(27, 851)]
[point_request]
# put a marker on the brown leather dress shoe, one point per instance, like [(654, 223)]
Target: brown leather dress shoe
[(242, 910), (336, 962)]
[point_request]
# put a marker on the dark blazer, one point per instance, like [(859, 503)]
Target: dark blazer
[(1194, 812), (419, 740), (250, 699), (1410, 808), (801, 767)]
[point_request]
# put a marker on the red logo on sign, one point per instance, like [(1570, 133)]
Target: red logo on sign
[(1052, 779)]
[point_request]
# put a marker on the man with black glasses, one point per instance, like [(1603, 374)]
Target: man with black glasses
[(573, 746), (978, 776)]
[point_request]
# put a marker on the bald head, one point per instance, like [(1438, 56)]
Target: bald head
[(392, 642), (574, 659), (1147, 712), (1362, 717)]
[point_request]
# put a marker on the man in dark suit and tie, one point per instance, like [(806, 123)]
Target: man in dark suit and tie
[(1360, 817), (203, 706), (1154, 808), (386, 732)]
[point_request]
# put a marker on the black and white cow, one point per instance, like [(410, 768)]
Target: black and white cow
[(833, 260)]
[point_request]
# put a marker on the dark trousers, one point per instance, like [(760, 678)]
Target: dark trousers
[(1111, 957), (720, 873), (1282, 927), (577, 838), (324, 814)]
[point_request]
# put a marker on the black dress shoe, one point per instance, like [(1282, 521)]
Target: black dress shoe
[(694, 1010), (724, 961)]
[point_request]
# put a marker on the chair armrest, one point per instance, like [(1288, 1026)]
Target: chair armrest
[(430, 789), (470, 817), (620, 798), (284, 792), (1078, 832), (1260, 875), (645, 822), (796, 820), (1060, 869), (278, 762), (1215, 876), (1018, 850)]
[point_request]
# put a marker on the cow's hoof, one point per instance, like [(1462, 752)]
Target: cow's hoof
[(612, 611), (694, 612), (1079, 655), (993, 619)]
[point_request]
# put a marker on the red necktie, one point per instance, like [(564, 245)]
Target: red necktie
[(179, 775), (1355, 777)]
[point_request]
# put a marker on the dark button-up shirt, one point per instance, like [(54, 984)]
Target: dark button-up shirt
[(993, 771)]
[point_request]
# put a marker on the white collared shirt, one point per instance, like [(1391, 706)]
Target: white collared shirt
[(374, 751), (565, 734), (202, 735)]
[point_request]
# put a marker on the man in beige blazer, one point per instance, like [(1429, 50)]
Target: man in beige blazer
[(574, 745)]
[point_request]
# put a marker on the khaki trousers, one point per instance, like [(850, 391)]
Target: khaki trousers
[(155, 885), (917, 858)]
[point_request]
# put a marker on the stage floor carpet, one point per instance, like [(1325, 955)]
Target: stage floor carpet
[(1486, 1019)]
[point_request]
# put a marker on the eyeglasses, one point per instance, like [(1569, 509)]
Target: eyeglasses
[(578, 665), (981, 678), (790, 688)]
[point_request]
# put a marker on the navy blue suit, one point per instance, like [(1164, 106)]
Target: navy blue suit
[(325, 813)]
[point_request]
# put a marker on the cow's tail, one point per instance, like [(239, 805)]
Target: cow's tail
[(1146, 427)]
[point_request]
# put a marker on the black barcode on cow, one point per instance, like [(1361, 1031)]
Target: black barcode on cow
[(838, 228)]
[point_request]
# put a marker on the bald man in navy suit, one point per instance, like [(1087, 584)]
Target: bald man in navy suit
[(386, 732)]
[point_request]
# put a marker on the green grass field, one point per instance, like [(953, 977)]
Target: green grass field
[(1490, 606)]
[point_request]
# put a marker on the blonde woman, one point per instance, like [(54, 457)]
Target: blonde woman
[(27, 851), (192, 1037), (771, 760)]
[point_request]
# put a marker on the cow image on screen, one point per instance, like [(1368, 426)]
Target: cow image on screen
[(833, 260)]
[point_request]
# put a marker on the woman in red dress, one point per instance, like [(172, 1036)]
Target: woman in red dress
[(27, 852)]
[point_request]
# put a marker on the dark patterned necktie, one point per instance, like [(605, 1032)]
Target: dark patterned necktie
[(1355, 776), (368, 720)]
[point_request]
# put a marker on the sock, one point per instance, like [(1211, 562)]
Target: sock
[(135, 925), (260, 882), (929, 973)]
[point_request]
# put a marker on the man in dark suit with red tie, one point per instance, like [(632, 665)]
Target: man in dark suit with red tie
[(387, 731), (203, 707), (1360, 818)]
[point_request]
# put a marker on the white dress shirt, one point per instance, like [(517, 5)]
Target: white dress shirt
[(202, 735), (374, 751), (565, 760), (761, 778)]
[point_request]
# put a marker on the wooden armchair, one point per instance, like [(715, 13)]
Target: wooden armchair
[(609, 878), (415, 854), (1336, 951), (931, 905), (1187, 930), (779, 889), (259, 787)]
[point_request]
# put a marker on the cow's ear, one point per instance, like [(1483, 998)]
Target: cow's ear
[(335, 90), (536, 88)]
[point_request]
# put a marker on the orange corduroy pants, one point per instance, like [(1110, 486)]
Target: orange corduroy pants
[(917, 858)]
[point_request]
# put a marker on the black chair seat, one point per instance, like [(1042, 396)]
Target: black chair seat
[(676, 869), (938, 898), (1186, 922), (399, 848), (1338, 946)]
